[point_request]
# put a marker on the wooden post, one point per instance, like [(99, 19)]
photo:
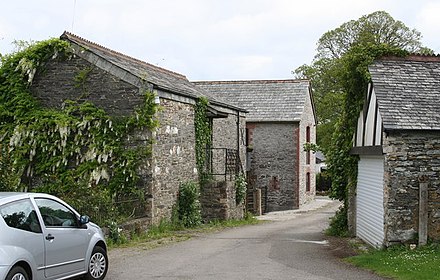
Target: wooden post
[(257, 202), (423, 213)]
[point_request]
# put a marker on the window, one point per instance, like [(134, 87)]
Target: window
[(308, 182), (56, 214), (21, 215)]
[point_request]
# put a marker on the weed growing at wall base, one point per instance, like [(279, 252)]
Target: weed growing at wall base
[(338, 223), (188, 208), (168, 232)]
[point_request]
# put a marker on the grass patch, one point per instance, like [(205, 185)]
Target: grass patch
[(167, 232), (400, 262), (248, 220)]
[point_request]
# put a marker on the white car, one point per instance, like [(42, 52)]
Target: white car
[(42, 237)]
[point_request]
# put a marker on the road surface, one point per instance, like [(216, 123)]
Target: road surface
[(292, 247)]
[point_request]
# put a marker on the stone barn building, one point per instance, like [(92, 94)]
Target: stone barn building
[(280, 120), (398, 142), (116, 83)]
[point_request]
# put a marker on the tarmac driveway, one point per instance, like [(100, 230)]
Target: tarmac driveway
[(292, 246)]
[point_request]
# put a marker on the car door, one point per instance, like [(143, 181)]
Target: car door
[(23, 236), (65, 241)]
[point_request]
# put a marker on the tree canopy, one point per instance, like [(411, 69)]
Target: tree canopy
[(376, 28)]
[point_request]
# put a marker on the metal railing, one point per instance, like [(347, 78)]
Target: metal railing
[(224, 162)]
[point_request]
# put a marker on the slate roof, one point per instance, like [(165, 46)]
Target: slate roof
[(160, 77), (265, 100), (408, 92)]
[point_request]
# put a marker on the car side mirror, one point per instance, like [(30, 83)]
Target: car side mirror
[(84, 220)]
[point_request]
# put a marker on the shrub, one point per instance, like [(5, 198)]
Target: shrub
[(188, 206)]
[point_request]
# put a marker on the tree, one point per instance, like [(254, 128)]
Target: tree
[(327, 95), (377, 28)]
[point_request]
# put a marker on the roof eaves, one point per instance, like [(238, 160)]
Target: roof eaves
[(272, 120), (89, 45)]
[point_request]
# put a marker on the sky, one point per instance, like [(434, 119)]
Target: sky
[(208, 39)]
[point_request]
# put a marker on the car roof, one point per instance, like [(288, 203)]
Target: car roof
[(10, 196)]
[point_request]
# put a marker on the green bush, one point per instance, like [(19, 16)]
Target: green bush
[(188, 206), (338, 223), (116, 235)]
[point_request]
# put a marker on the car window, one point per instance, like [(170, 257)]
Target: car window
[(21, 215), (56, 214)]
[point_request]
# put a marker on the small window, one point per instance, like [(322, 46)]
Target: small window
[(308, 141), (308, 134), (308, 181), (21, 215), (56, 214)]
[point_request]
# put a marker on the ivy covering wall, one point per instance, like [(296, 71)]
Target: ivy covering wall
[(78, 153), (203, 135)]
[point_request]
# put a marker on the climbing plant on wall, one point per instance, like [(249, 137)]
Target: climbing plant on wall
[(79, 152), (240, 188), (203, 133)]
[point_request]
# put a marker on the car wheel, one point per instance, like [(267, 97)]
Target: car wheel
[(17, 273), (98, 264)]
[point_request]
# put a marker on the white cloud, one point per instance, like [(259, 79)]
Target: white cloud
[(6, 30), (428, 22)]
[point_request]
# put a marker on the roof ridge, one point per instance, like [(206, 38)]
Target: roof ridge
[(418, 57), (280, 81), (74, 37)]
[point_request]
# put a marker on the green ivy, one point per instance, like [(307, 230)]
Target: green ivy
[(79, 152), (80, 81), (240, 188), (311, 147), (203, 133), (354, 77)]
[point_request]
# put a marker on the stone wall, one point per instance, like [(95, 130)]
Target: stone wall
[(307, 120), (274, 164), (218, 201), (173, 159), (61, 80), (411, 158)]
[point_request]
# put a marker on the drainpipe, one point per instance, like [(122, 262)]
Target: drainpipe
[(238, 134), (297, 167)]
